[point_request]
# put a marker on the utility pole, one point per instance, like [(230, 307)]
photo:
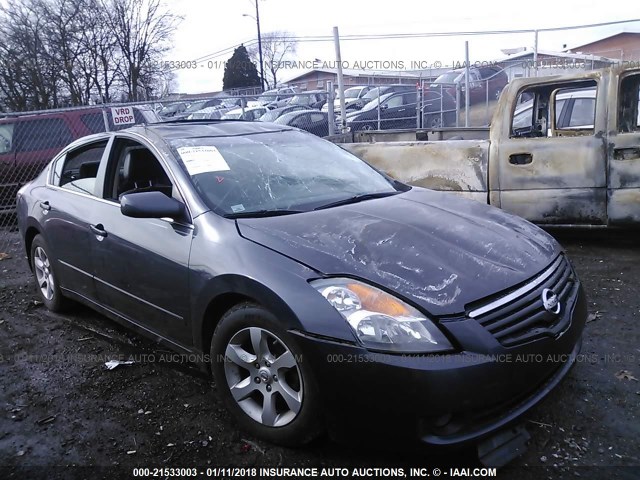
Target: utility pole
[(260, 47)]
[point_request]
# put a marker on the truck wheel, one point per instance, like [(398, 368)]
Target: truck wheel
[(433, 121), (263, 378)]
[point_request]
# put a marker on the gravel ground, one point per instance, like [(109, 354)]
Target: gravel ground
[(61, 407)]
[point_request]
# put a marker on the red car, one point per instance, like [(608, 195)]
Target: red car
[(29, 142)]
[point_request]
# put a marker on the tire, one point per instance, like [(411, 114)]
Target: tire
[(433, 121), (280, 405), (496, 94), (45, 277)]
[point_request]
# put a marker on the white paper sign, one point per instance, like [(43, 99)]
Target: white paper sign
[(122, 115), (202, 160)]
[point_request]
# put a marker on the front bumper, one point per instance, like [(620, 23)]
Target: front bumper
[(443, 400)]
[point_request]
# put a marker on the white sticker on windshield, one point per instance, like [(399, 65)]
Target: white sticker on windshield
[(202, 159)]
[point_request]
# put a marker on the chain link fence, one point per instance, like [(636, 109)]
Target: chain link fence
[(29, 140)]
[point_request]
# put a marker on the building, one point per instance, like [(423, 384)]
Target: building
[(550, 63), (317, 78), (624, 45)]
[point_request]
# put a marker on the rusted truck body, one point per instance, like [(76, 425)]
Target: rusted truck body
[(547, 168)]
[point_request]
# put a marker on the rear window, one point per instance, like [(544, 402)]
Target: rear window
[(93, 121), (42, 134)]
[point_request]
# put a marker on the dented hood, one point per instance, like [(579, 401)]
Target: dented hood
[(433, 248)]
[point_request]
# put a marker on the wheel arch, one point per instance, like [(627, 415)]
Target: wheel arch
[(227, 291), (32, 230)]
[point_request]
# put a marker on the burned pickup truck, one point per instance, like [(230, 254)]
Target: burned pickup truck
[(561, 150)]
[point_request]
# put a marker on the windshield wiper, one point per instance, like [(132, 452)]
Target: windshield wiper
[(263, 213), (356, 199)]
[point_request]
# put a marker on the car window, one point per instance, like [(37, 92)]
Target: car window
[(583, 112), (532, 118), (300, 121), (522, 117), (78, 169), (394, 102), (134, 168), (409, 99), (316, 117), (6, 137), (629, 104), (42, 134), (275, 170), (93, 121)]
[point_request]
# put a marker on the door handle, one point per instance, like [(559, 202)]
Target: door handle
[(45, 205), (520, 159), (98, 230), (631, 153)]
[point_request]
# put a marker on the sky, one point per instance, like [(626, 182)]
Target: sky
[(211, 26)]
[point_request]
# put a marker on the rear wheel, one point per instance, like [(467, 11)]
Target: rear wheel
[(433, 121), (263, 378), (46, 279)]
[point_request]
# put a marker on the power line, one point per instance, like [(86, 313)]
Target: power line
[(390, 36)]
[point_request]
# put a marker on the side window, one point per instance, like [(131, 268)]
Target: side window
[(42, 134), (316, 117), (6, 137), (300, 121), (134, 168), (583, 112), (93, 121), (536, 105), (410, 99), (629, 104), (78, 169), (394, 102)]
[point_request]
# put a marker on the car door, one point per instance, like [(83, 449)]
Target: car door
[(318, 124), (141, 264), (393, 112), (65, 209), (7, 164), (547, 173), (624, 153)]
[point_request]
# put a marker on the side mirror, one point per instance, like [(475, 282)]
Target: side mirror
[(150, 205)]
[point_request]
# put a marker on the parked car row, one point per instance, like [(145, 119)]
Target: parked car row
[(393, 106)]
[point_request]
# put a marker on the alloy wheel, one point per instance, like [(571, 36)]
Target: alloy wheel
[(44, 273), (263, 377)]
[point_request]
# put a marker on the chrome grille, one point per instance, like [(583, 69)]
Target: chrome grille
[(518, 316)]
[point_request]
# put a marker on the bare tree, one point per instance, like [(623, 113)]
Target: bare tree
[(277, 47), (101, 58), (143, 29), (28, 78), (57, 53)]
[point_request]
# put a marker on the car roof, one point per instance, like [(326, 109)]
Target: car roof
[(288, 116), (205, 128)]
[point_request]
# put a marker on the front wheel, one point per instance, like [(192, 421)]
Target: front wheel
[(263, 378)]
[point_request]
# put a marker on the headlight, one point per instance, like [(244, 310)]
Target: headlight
[(379, 320)]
